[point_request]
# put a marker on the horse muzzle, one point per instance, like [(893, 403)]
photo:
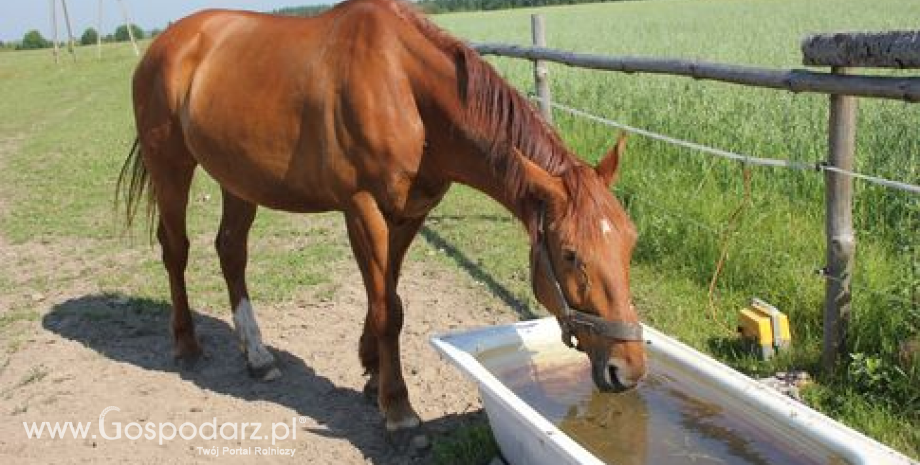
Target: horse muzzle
[(608, 376)]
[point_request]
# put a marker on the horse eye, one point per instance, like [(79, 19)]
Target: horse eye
[(570, 256)]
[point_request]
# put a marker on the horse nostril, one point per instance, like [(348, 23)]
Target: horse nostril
[(612, 372)]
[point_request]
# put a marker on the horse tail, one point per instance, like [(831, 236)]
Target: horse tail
[(133, 182)]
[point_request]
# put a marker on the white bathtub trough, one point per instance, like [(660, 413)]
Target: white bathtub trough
[(527, 438)]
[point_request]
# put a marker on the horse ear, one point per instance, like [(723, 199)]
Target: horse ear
[(547, 187), (608, 168)]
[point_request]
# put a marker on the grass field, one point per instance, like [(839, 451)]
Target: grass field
[(65, 132)]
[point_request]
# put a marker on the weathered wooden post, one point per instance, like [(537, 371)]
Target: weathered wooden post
[(838, 221), (841, 51), (541, 70)]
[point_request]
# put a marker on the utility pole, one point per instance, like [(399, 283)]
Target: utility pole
[(99, 33), (54, 34), (71, 45), (124, 12)]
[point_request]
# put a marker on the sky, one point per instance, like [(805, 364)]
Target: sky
[(19, 16)]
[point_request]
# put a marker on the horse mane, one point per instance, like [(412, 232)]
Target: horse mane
[(498, 118)]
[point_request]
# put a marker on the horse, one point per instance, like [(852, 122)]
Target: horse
[(371, 110)]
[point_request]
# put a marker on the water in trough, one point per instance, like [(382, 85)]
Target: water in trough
[(672, 418)]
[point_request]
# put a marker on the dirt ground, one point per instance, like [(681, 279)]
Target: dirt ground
[(84, 350)]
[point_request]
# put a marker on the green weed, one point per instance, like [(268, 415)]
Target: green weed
[(472, 445)]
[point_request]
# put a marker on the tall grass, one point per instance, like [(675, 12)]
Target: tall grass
[(681, 200)]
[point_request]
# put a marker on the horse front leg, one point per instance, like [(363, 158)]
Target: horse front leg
[(370, 360), (370, 236), (401, 235)]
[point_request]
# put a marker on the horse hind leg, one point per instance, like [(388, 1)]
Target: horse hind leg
[(231, 245), (171, 178)]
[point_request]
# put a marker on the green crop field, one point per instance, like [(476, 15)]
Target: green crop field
[(64, 132), (681, 200)]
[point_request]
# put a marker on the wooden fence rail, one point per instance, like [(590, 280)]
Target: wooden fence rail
[(841, 51), (793, 80), (900, 49)]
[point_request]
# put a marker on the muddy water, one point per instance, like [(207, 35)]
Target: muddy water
[(670, 419)]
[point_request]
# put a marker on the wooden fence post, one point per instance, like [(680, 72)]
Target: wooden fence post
[(540, 69), (841, 241)]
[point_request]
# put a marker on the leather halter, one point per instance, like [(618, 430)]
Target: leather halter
[(573, 318)]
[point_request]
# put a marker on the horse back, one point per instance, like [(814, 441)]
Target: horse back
[(292, 113)]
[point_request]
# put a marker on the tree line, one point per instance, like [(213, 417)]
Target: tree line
[(446, 6), (35, 40)]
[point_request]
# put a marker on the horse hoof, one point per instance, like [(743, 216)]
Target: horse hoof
[(186, 347), (187, 356), (371, 390), (412, 441), (265, 373), (187, 364)]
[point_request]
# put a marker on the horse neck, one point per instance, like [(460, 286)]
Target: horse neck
[(460, 158), (467, 165), (459, 151)]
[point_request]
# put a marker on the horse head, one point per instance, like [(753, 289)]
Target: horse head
[(580, 267)]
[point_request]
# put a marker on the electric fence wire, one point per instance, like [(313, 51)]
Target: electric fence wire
[(802, 166), (747, 159)]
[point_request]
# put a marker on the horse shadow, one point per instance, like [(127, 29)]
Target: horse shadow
[(135, 331), (519, 305)]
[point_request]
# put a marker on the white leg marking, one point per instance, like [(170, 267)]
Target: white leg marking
[(408, 422), (251, 337)]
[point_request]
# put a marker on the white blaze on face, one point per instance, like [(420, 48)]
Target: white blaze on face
[(605, 226), (247, 329)]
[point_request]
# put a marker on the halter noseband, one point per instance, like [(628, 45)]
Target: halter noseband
[(573, 318)]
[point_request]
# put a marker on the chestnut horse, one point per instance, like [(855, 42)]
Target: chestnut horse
[(371, 110)]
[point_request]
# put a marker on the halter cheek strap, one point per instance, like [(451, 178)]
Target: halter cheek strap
[(572, 318)]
